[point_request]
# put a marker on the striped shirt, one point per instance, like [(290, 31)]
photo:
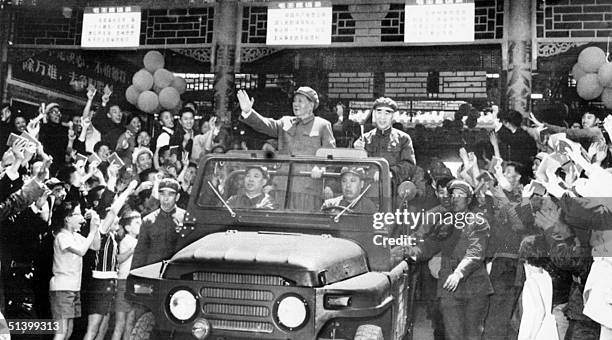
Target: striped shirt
[(106, 258)]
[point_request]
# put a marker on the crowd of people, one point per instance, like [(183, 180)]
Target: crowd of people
[(83, 199)]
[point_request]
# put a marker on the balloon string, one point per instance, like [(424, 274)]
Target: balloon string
[(608, 50)]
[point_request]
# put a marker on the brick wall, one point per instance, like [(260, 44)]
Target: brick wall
[(158, 27), (177, 26), (351, 85), (463, 84), (453, 85), (362, 25), (47, 28), (574, 19), (405, 84)]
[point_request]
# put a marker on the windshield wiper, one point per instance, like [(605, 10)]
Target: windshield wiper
[(337, 217), (221, 199)]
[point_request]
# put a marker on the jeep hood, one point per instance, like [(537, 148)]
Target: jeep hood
[(304, 260)]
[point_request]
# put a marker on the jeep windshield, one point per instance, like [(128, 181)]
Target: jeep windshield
[(276, 185)]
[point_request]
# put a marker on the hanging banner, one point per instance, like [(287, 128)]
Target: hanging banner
[(111, 27), (439, 21), (299, 23), (71, 72)]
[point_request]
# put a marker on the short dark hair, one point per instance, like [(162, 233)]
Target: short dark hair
[(443, 182), (511, 116), (98, 145), (145, 174), (64, 210), (63, 174), (185, 110)]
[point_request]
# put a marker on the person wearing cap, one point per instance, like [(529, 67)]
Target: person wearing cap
[(54, 136), (353, 182), (301, 134), (385, 141), (161, 229), (254, 196), (463, 286)]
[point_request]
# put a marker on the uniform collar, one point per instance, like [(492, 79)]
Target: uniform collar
[(169, 213), (306, 121), (387, 132)]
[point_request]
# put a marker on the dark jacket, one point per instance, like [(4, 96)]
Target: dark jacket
[(463, 250), (517, 147), (396, 147), (20, 200), (54, 138), (109, 130), (159, 237)]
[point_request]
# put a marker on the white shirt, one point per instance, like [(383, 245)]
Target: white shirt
[(164, 138), (67, 266), (128, 242)]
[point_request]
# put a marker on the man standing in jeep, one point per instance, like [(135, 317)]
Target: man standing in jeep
[(302, 134), (392, 144)]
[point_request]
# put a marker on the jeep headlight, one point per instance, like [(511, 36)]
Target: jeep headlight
[(182, 304), (291, 311)]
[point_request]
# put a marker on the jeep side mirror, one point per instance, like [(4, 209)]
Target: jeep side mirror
[(406, 191)]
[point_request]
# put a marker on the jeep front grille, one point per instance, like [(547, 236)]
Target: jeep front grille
[(237, 294), (242, 326), (243, 279), (257, 311)]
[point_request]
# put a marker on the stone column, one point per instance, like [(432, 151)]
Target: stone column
[(519, 56), (227, 15)]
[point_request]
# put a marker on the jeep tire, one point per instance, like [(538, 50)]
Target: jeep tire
[(368, 332), (143, 327)]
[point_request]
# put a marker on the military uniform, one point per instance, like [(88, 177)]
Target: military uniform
[(396, 147), (364, 205), (295, 136), (261, 201), (159, 237)]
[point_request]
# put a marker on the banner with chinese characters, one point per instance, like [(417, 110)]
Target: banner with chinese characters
[(71, 72), (299, 23), (111, 27), (439, 21)]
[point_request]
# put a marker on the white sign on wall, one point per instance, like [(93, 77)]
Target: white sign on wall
[(111, 27), (439, 21), (299, 23)]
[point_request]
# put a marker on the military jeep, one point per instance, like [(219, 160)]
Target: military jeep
[(297, 271)]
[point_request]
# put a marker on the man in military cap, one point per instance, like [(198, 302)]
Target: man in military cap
[(301, 134), (353, 182), (162, 228), (392, 144)]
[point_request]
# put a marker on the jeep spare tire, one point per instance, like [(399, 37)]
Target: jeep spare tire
[(143, 328), (368, 332)]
